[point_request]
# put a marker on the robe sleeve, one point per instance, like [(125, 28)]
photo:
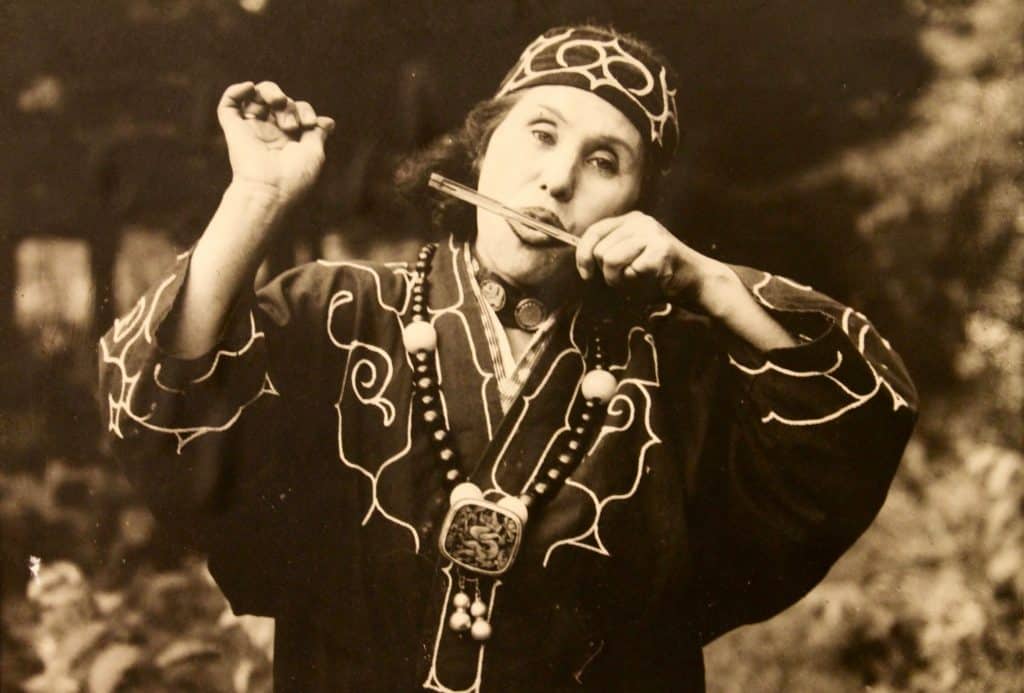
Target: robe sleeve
[(203, 440), (803, 443)]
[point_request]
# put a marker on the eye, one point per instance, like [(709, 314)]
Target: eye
[(543, 136), (605, 163)]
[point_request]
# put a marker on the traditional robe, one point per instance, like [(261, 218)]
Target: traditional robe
[(720, 487)]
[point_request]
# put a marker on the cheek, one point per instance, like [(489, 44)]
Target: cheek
[(612, 199)]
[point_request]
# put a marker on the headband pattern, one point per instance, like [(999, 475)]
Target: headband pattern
[(596, 61)]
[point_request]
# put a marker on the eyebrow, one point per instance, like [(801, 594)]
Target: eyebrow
[(603, 139)]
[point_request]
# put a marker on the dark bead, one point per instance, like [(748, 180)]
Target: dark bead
[(554, 474), (566, 458), (431, 415), (446, 455), (540, 488)]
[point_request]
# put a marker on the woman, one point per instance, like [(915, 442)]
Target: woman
[(512, 465)]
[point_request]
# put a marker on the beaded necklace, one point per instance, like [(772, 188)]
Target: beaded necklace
[(481, 537)]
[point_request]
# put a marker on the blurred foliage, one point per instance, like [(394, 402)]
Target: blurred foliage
[(159, 632), (874, 149)]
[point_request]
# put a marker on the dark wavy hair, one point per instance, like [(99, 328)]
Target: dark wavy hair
[(458, 155)]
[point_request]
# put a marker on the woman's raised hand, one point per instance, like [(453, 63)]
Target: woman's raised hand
[(275, 144), (276, 148)]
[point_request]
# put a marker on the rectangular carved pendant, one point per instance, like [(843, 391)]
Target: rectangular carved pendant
[(480, 536)]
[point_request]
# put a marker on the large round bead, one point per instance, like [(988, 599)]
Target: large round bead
[(461, 601), (465, 490), (481, 630), (478, 609), (419, 335), (460, 621), (599, 384), (515, 506)]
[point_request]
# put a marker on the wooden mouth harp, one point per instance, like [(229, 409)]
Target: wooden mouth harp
[(467, 194)]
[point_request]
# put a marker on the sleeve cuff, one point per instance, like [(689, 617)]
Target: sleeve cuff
[(176, 373)]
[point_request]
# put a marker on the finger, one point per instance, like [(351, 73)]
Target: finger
[(287, 117), (317, 135), (306, 114), (326, 124), (619, 250), (615, 258), (229, 107), (585, 261), (272, 95), (256, 109), (663, 270), (235, 94)]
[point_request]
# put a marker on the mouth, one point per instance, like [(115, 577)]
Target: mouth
[(532, 236)]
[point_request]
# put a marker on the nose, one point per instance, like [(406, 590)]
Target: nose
[(558, 177)]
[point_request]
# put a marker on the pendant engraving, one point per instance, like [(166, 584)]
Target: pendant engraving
[(493, 293), (480, 536)]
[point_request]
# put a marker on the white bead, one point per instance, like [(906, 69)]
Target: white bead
[(478, 609), (419, 335), (460, 601), (481, 629), (459, 621), (515, 506), (465, 490), (599, 384)]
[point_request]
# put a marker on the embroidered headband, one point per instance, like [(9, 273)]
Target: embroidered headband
[(595, 60)]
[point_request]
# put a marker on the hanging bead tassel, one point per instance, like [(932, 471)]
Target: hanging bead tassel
[(460, 620), (481, 628)]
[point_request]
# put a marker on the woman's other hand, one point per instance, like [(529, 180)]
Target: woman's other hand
[(275, 144), (636, 253)]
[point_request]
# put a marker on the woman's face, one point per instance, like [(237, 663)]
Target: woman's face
[(561, 155)]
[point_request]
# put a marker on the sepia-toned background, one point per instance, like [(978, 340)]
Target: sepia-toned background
[(872, 149)]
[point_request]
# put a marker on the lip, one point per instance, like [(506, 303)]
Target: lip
[(543, 214), (532, 236)]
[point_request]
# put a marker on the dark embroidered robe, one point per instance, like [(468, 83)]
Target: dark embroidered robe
[(721, 487)]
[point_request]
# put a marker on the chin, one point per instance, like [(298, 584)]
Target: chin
[(538, 267), (522, 263)]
